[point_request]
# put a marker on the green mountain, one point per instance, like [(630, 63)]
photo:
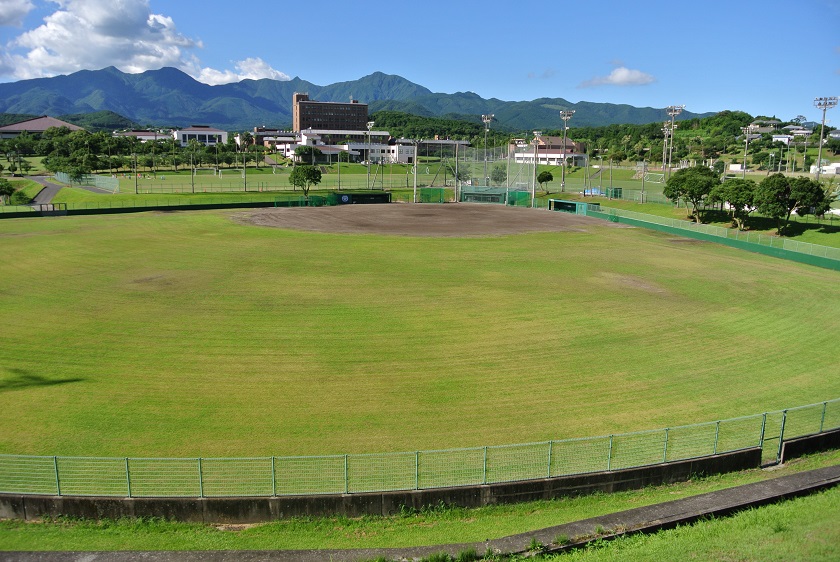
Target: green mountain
[(169, 97)]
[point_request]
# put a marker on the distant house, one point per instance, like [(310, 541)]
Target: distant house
[(203, 134), (798, 131), (143, 136), (765, 125), (783, 138), (34, 126), (550, 150)]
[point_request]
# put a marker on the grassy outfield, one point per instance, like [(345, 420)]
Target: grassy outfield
[(191, 334), (809, 517)]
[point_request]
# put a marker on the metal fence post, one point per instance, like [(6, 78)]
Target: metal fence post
[(763, 426), (550, 447), (781, 436), (57, 481), (416, 470), (200, 480), (346, 478), (717, 435), (822, 419), (609, 455), (127, 478), (484, 475), (665, 448), (273, 477)]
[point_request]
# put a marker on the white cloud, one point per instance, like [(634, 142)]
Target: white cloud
[(12, 12), (248, 69), (620, 76), (93, 34)]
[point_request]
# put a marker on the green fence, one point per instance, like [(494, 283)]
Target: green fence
[(415, 470), (101, 182), (776, 246)]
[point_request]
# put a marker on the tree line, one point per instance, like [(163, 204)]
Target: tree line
[(777, 196)]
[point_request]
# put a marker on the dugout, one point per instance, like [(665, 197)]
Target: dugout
[(350, 198), (500, 195), (574, 207)]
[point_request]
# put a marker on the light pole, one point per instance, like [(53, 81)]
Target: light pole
[(487, 119), (673, 111), (666, 130), (825, 104), (537, 135), (416, 152), (369, 127), (746, 130), (565, 115), (600, 174)]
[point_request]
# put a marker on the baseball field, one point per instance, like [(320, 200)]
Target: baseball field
[(377, 328)]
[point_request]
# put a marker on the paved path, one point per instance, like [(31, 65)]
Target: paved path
[(642, 519), (46, 195)]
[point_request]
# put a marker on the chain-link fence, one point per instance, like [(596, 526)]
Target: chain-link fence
[(418, 470)]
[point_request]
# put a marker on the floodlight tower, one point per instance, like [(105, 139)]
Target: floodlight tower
[(537, 135), (673, 111), (487, 119), (565, 115), (825, 104), (369, 127), (666, 130)]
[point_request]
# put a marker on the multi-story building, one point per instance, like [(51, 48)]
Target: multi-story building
[(321, 115)]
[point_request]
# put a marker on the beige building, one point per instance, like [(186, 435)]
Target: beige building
[(34, 126)]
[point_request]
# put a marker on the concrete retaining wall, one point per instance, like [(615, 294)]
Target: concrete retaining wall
[(810, 444), (253, 510)]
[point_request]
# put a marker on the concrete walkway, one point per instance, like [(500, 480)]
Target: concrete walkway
[(45, 196), (643, 519)]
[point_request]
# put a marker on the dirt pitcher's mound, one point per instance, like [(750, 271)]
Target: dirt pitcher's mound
[(462, 219)]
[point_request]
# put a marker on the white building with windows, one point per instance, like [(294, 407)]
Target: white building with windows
[(205, 135)]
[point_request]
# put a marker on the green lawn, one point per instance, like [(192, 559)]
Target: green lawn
[(192, 334)]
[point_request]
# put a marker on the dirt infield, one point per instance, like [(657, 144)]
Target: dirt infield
[(453, 220)]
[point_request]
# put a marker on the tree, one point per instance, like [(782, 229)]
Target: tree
[(6, 190), (304, 177), (307, 154), (778, 196), (498, 175), (740, 195), (544, 177), (693, 185)]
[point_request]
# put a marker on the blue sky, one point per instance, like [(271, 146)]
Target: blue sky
[(763, 57)]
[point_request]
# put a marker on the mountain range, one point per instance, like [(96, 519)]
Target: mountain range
[(169, 97)]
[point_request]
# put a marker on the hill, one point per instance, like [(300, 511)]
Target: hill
[(169, 97)]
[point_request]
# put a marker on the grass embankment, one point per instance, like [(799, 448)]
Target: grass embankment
[(813, 517), (191, 334)]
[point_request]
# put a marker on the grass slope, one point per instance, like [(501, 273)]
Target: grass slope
[(190, 334)]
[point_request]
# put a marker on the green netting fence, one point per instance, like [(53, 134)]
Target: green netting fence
[(776, 246), (104, 183), (414, 470)]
